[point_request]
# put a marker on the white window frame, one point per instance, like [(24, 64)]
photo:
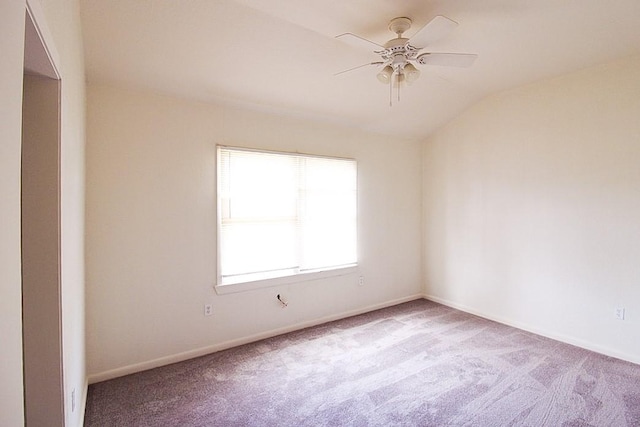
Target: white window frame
[(261, 280)]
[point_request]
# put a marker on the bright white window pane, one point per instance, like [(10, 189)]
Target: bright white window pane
[(260, 247), (329, 220), (262, 186), (328, 246)]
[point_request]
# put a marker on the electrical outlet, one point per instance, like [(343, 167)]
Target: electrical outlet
[(361, 281), (73, 400), (619, 313), (208, 309)]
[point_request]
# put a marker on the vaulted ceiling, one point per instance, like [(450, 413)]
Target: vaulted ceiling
[(281, 55)]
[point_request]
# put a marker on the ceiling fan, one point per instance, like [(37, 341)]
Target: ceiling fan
[(399, 54)]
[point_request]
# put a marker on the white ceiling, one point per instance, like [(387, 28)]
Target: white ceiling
[(281, 55)]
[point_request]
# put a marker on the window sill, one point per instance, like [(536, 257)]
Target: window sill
[(230, 288)]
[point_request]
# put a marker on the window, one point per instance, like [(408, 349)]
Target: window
[(283, 214)]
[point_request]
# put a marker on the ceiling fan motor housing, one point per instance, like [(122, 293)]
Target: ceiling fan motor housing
[(396, 45)]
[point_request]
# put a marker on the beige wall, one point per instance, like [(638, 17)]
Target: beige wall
[(532, 208), (151, 228), (11, 46)]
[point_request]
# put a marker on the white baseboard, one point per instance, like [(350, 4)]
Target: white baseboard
[(587, 345), (179, 357)]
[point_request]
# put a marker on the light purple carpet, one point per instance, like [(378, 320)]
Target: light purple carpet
[(415, 364)]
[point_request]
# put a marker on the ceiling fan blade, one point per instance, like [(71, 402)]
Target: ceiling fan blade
[(358, 42), (436, 29), (463, 60), (359, 66)]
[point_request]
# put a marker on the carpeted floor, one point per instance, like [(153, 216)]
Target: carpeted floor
[(415, 364)]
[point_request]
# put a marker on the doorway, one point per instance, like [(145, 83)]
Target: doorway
[(40, 239)]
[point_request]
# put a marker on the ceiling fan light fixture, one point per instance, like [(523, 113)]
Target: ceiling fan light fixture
[(384, 76), (411, 73)]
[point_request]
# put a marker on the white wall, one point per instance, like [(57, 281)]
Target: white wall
[(12, 47), (532, 208), (151, 229), (62, 19)]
